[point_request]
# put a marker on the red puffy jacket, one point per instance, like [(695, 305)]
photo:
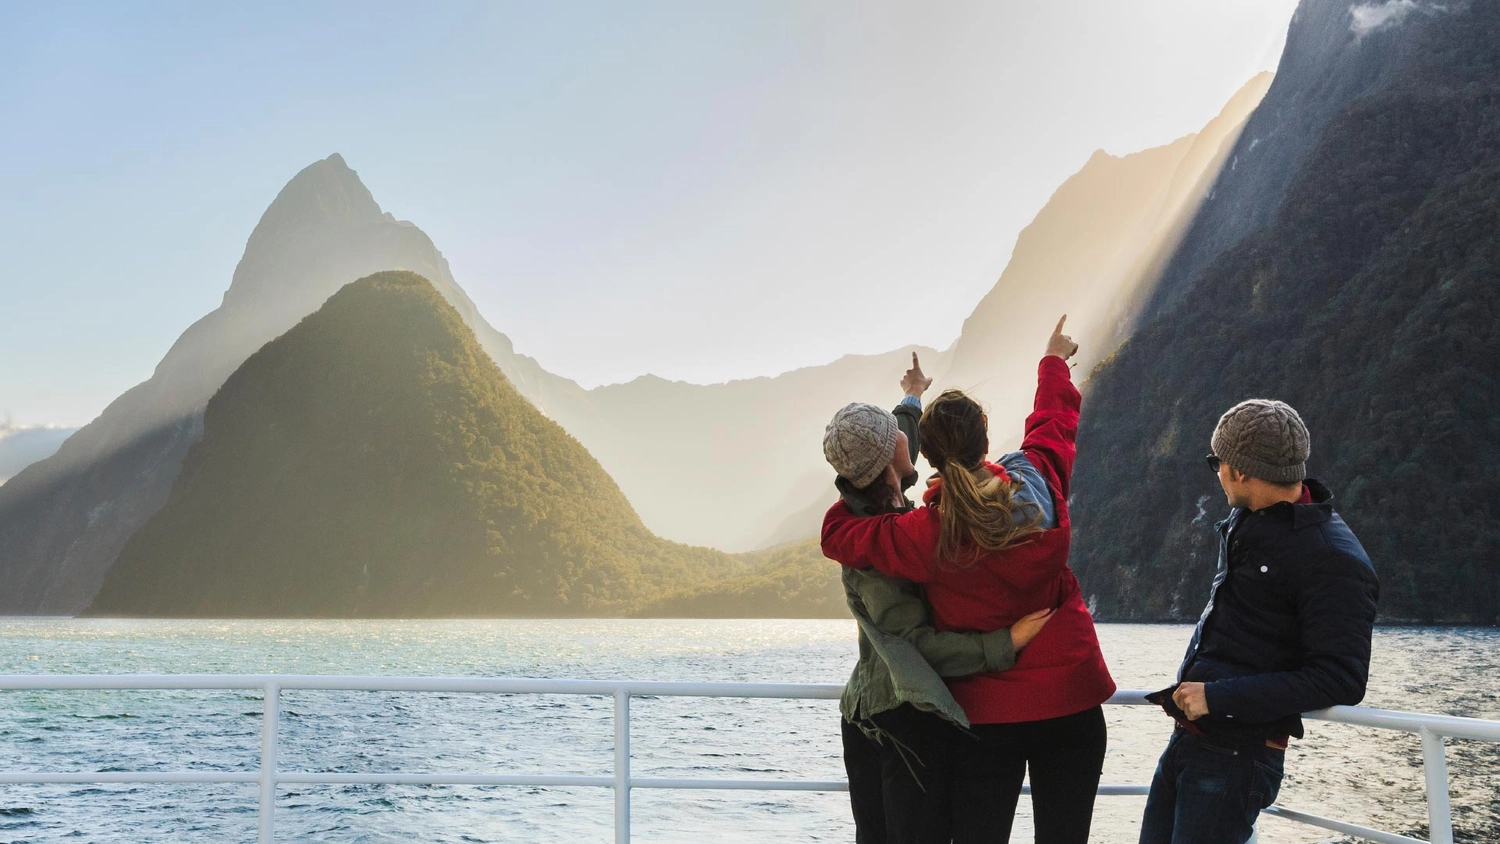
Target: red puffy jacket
[(1062, 671)]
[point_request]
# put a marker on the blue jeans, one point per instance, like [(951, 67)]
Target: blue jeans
[(1205, 793)]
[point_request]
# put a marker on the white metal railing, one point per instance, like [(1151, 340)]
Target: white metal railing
[(1432, 729)]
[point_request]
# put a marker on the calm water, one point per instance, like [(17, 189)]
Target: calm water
[(1365, 776)]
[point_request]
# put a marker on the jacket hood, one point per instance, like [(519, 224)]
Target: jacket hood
[(934, 486)]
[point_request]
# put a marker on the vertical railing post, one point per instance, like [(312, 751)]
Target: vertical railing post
[(1435, 767), (269, 737), (622, 766)]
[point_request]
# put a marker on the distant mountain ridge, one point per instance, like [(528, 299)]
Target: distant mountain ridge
[(1092, 252), (22, 446), (373, 461)]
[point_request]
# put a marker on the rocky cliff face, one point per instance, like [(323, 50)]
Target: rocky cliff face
[(1368, 302), (1328, 62)]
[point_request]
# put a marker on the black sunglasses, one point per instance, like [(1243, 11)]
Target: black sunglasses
[(1213, 462)]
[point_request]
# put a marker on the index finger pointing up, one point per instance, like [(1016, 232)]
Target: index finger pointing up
[(1058, 329)]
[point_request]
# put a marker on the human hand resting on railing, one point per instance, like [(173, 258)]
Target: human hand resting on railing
[(1061, 344), (1023, 631)]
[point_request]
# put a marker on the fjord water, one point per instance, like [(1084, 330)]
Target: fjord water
[(1362, 775)]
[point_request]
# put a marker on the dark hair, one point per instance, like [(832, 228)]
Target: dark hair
[(976, 511), (882, 497)]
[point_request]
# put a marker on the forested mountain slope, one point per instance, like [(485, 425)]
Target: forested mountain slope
[(374, 461), (1370, 303)]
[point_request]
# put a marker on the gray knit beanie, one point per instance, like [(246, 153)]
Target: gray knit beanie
[(860, 442), (1264, 439)]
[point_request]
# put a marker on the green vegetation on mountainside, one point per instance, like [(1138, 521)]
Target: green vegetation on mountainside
[(373, 461), (794, 581), (1371, 304)]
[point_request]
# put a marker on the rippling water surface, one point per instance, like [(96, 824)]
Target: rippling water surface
[(1366, 776)]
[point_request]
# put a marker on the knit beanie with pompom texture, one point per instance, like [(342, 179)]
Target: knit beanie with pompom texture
[(860, 442), (1264, 439)]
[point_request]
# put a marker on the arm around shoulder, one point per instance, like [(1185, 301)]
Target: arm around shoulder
[(897, 608), (897, 545)]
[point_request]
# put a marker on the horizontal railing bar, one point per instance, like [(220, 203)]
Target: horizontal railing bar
[(1446, 725), (91, 777), (331, 778), (739, 785), (1452, 726), (491, 685), (313, 778), (1339, 826), (1114, 790)]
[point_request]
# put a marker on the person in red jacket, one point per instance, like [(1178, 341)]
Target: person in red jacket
[(991, 546)]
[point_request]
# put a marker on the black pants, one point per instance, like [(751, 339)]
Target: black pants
[(900, 787), (1065, 757)]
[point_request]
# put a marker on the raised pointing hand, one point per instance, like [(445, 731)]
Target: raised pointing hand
[(914, 382), (1061, 344)]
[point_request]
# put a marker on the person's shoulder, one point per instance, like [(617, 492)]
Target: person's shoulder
[(872, 580), (1331, 546), (921, 524), (1330, 566), (926, 513), (1026, 466), (1016, 460)]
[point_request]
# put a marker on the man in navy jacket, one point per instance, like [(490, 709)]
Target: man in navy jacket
[(1286, 630)]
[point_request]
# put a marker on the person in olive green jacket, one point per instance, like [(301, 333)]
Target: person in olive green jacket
[(899, 718)]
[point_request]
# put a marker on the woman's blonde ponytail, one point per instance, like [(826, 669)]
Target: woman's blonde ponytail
[(976, 511)]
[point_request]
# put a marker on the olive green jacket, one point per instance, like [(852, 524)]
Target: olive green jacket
[(902, 659)]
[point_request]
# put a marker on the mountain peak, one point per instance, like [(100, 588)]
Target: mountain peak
[(328, 187), (323, 198)]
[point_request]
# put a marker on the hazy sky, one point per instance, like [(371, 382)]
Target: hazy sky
[(698, 190)]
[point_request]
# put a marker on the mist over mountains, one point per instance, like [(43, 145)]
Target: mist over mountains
[(21, 446)]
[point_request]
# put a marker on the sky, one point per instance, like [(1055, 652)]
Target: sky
[(700, 191)]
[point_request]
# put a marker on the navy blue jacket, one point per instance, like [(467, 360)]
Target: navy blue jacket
[(1288, 622)]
